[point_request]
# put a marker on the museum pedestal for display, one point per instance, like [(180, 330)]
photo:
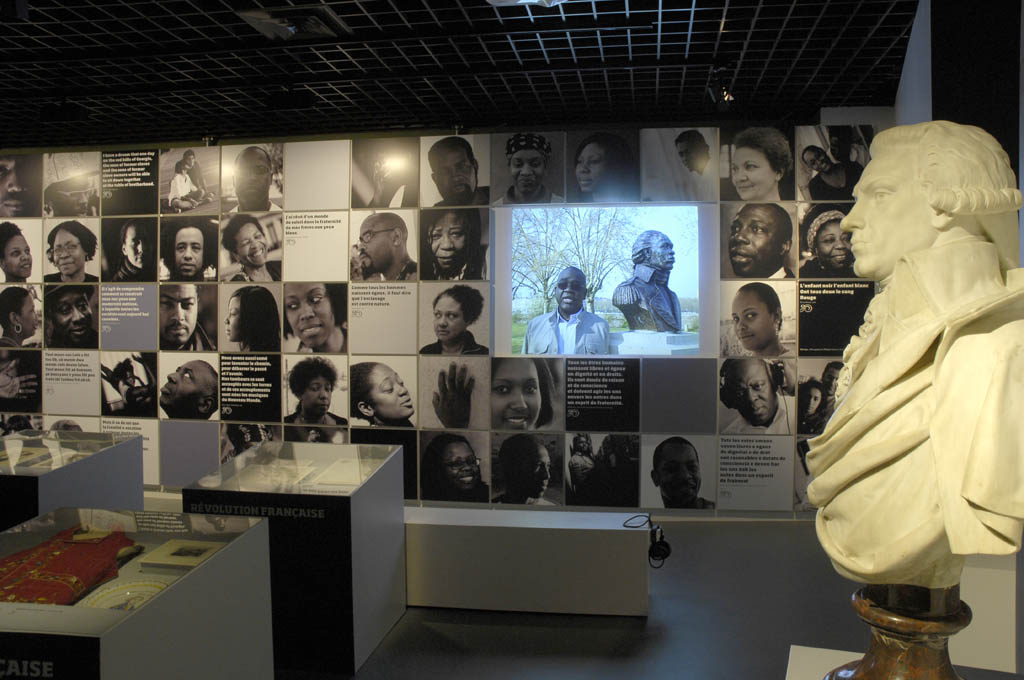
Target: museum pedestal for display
[(651, 343), (193, 604), (337, 545), (42, 472)]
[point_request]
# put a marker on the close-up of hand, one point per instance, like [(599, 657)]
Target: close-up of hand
[(453, 395)]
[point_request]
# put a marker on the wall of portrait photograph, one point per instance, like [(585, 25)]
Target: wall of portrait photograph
[(588, 318)]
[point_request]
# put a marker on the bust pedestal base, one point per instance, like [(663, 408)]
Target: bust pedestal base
[(910, 631)]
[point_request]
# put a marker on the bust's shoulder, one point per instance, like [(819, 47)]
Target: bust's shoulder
[(627, 292)]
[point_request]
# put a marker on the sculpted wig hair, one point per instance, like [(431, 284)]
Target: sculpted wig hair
[(449, 144), (964, 171), (306, 370), (79, 231), (643, 244), (258, 319), (432, 479), (470, 301), (230, 236), (769, 141)]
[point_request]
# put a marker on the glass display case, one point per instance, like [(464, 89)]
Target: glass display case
[(42, 471), (337, 544), (80, 589)]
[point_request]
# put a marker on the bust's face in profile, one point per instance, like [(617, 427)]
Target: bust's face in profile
[(891, 217), (662, 255)]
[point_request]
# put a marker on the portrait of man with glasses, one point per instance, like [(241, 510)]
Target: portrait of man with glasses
[(570, 329), (70, 245), (382, 253)]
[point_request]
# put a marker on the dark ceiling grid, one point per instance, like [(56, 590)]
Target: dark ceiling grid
[(180, 69)]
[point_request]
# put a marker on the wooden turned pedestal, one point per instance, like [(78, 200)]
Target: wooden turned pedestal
[(910, 631)]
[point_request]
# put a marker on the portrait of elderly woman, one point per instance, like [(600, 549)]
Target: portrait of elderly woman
[(70, 245), (605, 170), (312, 382), (315, 317), (252, 320), (18, 317), (760, 165), (15, 254), (378, 395), (532, 165), (756, 316), (453, 311), (526, 394), (527, 469), (831, 253), (450, 470), (188, 249), (251, 248), (20, 377), (452, 246)]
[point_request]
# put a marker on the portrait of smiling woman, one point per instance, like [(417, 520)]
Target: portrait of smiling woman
[(315, 317), (70, 245), (526, 394), (760, 166), (831, 252), (251, 249), (528, 167)]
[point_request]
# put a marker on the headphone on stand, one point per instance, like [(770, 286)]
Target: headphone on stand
[(659, 549)]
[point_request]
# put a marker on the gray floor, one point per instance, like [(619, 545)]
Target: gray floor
[(727, 604)]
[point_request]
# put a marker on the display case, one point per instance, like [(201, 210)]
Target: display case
[(337, 544), (42, 471), (90, 594)]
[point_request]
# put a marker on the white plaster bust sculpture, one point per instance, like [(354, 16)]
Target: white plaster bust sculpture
[(922, 462)]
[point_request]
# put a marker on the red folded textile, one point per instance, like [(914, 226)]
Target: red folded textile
[(60, 570)]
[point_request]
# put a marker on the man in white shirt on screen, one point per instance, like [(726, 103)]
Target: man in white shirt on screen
[(569, 329)]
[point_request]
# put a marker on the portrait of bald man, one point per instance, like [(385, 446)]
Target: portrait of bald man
[(253, 176), (190, 391), (760, 238), (381, 252), (569, 329)]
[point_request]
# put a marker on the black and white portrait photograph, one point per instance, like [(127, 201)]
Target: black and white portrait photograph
[(189, 386), (527, 168), (71, 312), (455, 170), (318, 174), (21, 315), (604, 167), (252, 178), (16, 422), (758, 241), (527, 469), (385, 245), (21, 381), (801, 478), (455, 467), (251, 247), (129, 181), (190, 180), (757, 396), (315, 318), (386, 172), (250, 317), (188, 249), (21, 250), (382, 391), (758, 319), (679, 164), (245, 438), (826, 251), (21, 185), (315, 392), (452, 316), (527, 393), (453, 392), (128, 381), (71, 184), (602, 469), (756, 164), (188, 317), (72, 250), (818, 378), (453, 244), (679, 471), (129, 249), (831, 159)]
